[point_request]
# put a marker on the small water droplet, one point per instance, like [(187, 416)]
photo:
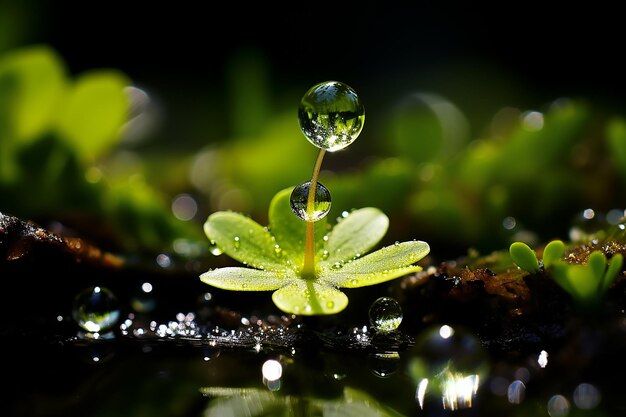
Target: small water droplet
[(214, 249), (237, 242), (321, 204), (396, 243), (325, 255), (325, 238), (337, 265), (278, 251), (330, 304), (331, 115), (354, 282), (385, 314), (96, 309)]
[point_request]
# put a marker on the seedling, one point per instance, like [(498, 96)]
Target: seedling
[(300, 257), (586, 283)]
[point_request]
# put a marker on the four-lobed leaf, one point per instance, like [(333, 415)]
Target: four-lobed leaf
[(273, 256)]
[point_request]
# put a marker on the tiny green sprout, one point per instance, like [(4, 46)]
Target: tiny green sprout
[(553, 253), (303, 264), (524, 257), (587, 283)]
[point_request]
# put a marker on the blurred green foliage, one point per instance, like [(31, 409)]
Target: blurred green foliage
[(527, 176), (55, 135)]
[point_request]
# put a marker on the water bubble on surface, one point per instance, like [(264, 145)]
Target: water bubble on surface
[(586, 396), (385, 314), (96, 309), (331, 115), (299, 201), (454, 365), (383, 365)]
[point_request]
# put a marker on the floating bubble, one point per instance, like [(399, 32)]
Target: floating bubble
[(299, 201), (385, 314), (96, 309), (331, 115)]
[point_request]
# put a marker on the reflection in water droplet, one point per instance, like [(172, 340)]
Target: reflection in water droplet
[(331, 115), (558, 406), (96, 309), (214, 249), (385, 314), (453, 365), (586, 396), (325, 254), (278, 251), (383, 365), (516, 392), (299, 199)]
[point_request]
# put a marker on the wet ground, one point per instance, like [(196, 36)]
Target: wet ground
[(468, 339)]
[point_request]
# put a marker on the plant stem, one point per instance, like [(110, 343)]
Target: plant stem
[(308, 268)]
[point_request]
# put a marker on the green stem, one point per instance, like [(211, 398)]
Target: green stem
[(308, 269)]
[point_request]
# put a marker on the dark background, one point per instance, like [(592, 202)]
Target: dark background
[(482, 57)]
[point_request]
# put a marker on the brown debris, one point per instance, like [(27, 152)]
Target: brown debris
[(20, 239)]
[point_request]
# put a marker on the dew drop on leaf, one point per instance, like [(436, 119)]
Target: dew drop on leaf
[(278, 251), (385, 314), (331, 115), (237, 242), (325, 255), (96, 309), (337, 265), (214, 249), (299, 199)]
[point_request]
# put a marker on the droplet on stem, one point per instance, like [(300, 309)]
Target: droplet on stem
[(331, 115), (321, 204)]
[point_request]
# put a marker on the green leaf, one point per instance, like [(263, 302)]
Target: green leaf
[(597, 266), (584, 283), (289, 231), (553, 252), (244, 240), (356, 234), (383, 265), (245, 279), (34, 81), (309, 298), (559, 274), (94, 113), (615, 266), (524, 257)]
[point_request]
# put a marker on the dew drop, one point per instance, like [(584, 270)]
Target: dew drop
[(214, 249), (337, 265), (96, 309), (321, 204), (325, 255), (237, 242), (330, 304), (354, 282), (331, 115), (385, 314), (278, 251)]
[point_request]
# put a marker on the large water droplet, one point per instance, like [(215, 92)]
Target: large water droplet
[(385, 314), (331, 115), (321, 203), (96, 309)]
